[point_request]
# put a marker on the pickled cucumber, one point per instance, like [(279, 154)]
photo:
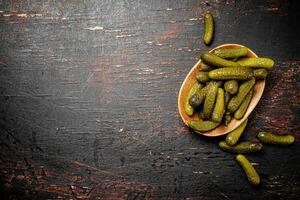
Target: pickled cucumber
[(242, 147), (219, 109), (231, 86), (237, 73), (197, 99), (270, 138), (229, 53), (237, 100), (204, 67), (256, 62), (251, 173), (227, 118), (209, 102), (202, 77), (260, 73), (208, 28), (243, 107), (233, 137), (188, 108), (202, 126), (216, 61)]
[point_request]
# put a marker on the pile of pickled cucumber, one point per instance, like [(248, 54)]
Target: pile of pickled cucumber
[(223, 91), (224, 86)]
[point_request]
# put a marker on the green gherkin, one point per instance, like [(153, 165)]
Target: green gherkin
[(208, 28), (231, 86), (187, 107), (243, 147), (239, 114), (219, 108), (231, 73), (230, 53), (233, 137), (237, 100), (256, 62), (202, 126), (216, 61), (260, 73), (210, 99), (270, 138), (251, 173)]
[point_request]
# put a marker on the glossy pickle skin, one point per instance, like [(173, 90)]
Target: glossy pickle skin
[(240, 112), (198, 98), (251, 173), (260, 73), (237, 100), (256, 62), (213, 60), (231, 73), (233, 137), (242, 147), (202, 77), (270, 138), (209, 102), (231, 86), (189, 110), (204, 67), (208, 28), (202, 126), (231, 53), (219, 108)]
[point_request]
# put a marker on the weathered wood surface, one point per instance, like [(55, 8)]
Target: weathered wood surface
[(88, 99)]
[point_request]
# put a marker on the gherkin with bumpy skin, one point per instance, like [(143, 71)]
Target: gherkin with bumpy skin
[(208, 28), (242, 147), (270, 138), (251, 173), (260, 73), (202, 77), (231, 86), (219, 108), (233, 137), (189, 110), (197, 99), (204, 67), (230, 53), (210, 99), (231, 73), (213, 60), (237, 100), (202, 126), (239, 114), (256, 62)]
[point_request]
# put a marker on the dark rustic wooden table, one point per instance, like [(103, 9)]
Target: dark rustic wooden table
[(88, 99)]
